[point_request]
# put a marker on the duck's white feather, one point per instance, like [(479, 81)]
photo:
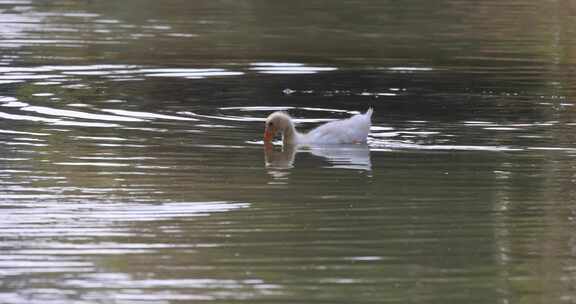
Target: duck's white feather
[(347, 131)]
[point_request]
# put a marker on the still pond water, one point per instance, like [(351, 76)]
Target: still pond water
[(132, 168)]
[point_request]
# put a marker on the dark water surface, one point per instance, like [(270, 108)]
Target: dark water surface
[(132, 168)]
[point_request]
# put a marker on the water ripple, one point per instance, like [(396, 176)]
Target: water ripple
[(77, 114), (288, 68), (268, 109), (140, 114), (103, 214), (189, 73), (55, 74)]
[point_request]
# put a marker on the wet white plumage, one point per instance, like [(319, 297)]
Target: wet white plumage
[(346, 131)]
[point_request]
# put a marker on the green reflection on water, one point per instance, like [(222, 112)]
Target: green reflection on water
[(405, 224)]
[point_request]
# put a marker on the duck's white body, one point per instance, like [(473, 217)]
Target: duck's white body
[(347, 131)]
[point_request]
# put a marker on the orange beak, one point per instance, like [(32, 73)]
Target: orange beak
[(268, 134)]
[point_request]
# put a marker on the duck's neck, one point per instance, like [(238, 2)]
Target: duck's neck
[(291, 136)]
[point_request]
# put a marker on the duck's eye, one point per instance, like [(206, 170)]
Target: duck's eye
[(270, 124)]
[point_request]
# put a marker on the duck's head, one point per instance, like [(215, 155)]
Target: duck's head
[(277, 122)]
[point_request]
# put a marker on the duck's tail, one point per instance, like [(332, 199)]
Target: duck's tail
[(369, 112)]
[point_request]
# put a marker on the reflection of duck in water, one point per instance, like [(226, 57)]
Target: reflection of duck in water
[(355, 157), (347, 131), (280, 159)]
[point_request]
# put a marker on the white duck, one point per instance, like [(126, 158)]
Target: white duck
[(346, 131)]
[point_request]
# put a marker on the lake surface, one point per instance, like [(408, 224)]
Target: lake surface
[(133, 170)]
